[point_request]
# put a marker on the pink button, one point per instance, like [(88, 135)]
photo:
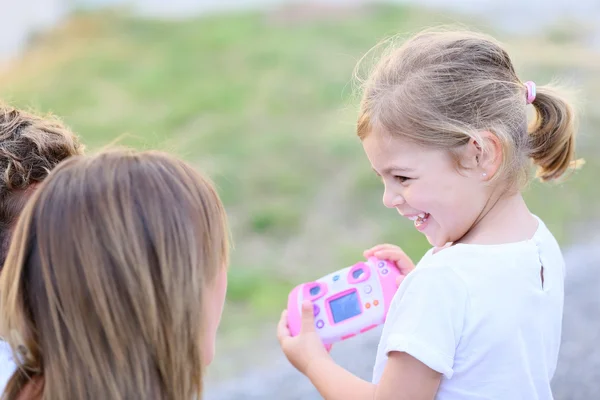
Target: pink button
[(348, 336)]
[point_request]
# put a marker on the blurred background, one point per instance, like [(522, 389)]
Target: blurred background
[(259, 94)]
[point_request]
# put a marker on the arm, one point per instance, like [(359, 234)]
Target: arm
[(424, 330), (335, 383), (404, 378)]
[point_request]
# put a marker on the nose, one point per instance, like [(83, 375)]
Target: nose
[(392, 199)]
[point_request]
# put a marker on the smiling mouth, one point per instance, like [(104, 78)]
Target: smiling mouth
[(419, 219)]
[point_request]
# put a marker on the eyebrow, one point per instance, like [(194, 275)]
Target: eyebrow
[(394, 168)]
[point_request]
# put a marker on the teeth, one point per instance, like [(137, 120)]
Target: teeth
[(418, 217)]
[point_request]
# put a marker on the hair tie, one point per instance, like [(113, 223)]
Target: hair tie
[(530, 91)]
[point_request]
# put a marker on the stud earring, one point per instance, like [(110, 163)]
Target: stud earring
[(484, 174)]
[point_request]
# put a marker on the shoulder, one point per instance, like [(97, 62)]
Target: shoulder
[(426, 317), (463, 257), (436, 283), (435, 274), (433, 287), (441, 270), (454, 256)]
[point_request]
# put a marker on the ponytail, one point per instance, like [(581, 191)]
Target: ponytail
[(552, 135)]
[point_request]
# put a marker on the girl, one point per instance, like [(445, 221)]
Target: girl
[(443, 121), (115, 281)]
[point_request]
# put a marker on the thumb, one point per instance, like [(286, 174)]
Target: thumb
[(308, 318)]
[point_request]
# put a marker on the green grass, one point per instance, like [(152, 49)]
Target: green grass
[(268, 111)]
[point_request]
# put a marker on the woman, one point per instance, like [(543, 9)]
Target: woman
[(115, 281)]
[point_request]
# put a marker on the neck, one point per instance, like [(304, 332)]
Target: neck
[(507, 220)]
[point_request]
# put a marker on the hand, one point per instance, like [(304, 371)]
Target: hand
[(394, 254), (306, 348)]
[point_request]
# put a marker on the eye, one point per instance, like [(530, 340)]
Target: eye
[(400, 178)]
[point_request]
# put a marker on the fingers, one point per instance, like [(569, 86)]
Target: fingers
[(403, 262), (282, 329), (392, 255), (370, 252), (308, 318)]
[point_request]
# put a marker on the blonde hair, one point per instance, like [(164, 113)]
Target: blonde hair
[(102, 293), (441, 88)]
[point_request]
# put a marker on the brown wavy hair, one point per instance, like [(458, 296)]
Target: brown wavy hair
[(30, 147), (102, 293)]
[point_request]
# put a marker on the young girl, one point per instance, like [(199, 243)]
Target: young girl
[(443, 121), (115, 281)]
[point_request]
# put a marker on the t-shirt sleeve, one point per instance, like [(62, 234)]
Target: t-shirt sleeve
[(426, 317)]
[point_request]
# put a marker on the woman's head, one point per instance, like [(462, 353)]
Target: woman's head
[(116, 277), (450, 107)]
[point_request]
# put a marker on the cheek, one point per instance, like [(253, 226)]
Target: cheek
[(457, 201), (222, 291), (445, 199), (422, 196), (218, 299), (215, 303)]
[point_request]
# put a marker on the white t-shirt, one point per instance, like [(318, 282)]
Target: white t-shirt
[(479, 315), (7, 365)]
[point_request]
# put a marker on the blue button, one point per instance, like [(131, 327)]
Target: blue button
[(384, 271), (320, 324), (368, 289), (335, 278), (316, 310), (314, 290), (357, 273)]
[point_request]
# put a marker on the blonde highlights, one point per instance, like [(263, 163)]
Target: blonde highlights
[(442, 88), (103, 291)]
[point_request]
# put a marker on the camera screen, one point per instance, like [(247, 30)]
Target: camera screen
[(345, 307)]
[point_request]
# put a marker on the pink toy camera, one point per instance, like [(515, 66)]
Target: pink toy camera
[(347, 302)]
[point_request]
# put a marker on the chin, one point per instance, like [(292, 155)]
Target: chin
[(208, 353), (436, 241), (208, 358)]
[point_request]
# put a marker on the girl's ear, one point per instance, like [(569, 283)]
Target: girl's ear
[(491, 156), (483, 157)]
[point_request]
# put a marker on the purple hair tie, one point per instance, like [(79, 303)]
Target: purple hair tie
[(530, 91)]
